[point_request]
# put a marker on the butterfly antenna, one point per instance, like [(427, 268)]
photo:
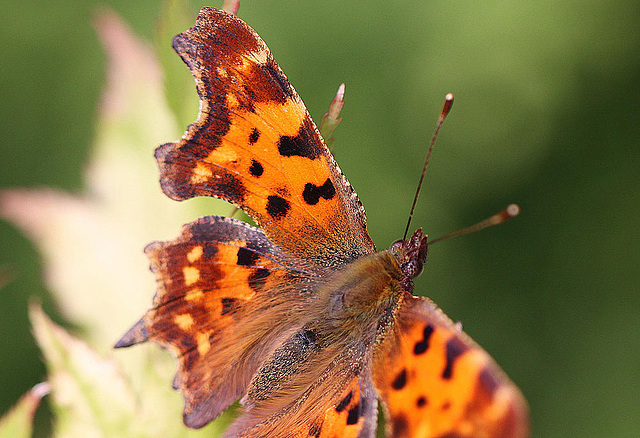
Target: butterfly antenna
[(448, 103), (512, 210)]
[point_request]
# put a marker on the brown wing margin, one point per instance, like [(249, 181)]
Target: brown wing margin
[(255, 145)]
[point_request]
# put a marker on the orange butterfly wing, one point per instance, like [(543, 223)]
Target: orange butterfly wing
[(217, 272), (255, 145), (233, 300), (354, 414), (435, 382)]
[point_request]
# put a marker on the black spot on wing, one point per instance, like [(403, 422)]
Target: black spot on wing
[(312, 193), (354, 414), (187, 342), (315, 429), (455, 348), (277, 207), (422, 345), (256, 169), (247, 257), (257, 278), (400, 381), (344, 402), (254, 136), (304, 144), (421, 401), (229, 305), (400, 425)]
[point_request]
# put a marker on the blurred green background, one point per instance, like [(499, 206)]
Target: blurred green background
[(547, 114)]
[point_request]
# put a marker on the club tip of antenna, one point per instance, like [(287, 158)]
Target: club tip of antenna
[(512, 210), (448, 103)]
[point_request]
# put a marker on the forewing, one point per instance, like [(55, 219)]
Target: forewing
[(255, 145), (435, 382)]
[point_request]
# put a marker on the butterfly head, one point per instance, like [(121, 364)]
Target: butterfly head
[(411, 253)]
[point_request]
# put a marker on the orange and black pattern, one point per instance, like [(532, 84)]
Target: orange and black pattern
[(301, 320)]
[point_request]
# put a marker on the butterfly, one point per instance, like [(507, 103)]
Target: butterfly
[(302, 319)]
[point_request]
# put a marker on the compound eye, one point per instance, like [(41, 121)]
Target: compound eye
[(396, 247), (410, 269)]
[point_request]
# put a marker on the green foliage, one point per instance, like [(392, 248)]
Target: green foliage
[(94, 396), (90, 396), (17, 422), (94, 263), (176, 16)]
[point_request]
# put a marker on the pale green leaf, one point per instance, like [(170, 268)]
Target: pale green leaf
[(90, 396), (92, 246), (18, 422)]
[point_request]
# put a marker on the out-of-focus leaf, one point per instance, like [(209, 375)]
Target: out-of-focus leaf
[(176, 16), (92, 243), (18, 422), (92, 246), (91, 397)]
